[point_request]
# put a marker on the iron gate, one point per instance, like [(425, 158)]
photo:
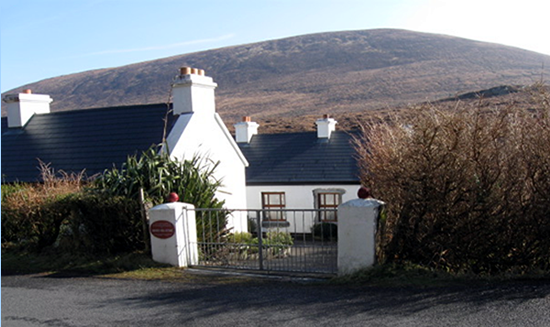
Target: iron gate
[(268, 240)]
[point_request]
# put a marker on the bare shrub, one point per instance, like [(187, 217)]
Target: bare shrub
[(467, 189)]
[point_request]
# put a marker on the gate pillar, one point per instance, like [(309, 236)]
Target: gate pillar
[(173, 232), (357, 221)]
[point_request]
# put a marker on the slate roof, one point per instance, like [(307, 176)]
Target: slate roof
[(92, 139), (300, 158), (98, 139)]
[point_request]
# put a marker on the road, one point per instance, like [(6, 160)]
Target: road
[(35, 300)]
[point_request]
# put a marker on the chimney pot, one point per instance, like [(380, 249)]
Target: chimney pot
[(325, 116), (185, 70), (247, 119), (192, 93), (201, 72), (27, 91)]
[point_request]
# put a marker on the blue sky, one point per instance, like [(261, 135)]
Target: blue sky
[(47, 38)]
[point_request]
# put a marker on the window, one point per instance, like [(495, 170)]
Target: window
[(273, 200), (328, 201), (273, 217)]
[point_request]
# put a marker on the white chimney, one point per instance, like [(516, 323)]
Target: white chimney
[(325, 127), (245, 129), (21, 107), (193, 92)]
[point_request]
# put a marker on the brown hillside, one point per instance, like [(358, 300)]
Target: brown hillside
[(334, 73), (499, 98)]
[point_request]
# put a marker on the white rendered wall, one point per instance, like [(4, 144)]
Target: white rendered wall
[(357, 234), (205, 135), (298, 197), (179, 250)]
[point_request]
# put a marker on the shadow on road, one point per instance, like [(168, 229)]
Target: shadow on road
[(317, 300)]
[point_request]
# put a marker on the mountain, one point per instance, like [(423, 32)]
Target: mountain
[(327, 73)]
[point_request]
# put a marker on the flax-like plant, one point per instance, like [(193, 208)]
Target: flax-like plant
[(158, 174)]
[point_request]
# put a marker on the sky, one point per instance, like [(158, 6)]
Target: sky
[(47, 38)]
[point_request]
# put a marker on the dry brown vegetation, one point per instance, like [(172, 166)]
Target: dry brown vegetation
[(467, 189), (498, 97), (29, 213)]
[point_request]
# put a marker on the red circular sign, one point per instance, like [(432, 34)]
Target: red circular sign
[(162, 229)]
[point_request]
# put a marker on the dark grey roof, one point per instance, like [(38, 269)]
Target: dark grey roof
[(92, 139), (300, 158)]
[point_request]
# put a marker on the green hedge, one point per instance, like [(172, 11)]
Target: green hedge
[(30, 216), (105, 217), (99, 224), (325, 231), (75, 222)]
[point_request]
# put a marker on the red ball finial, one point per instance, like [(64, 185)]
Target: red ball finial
[(172, 197), (364, 193)]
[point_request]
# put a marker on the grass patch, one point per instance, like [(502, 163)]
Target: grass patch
[(395, 275), (137, 263), (409, 274)]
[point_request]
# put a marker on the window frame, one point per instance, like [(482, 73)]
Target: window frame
[(319, 195), (267, 206)]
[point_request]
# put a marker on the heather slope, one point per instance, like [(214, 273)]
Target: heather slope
[(335, 73)]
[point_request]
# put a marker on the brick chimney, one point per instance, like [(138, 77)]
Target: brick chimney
[(193, 92), (245, 129), (325, 127), (21, 107)]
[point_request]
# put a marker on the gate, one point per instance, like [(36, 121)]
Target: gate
[(284, 240)]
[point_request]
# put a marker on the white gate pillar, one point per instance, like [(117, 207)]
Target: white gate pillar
[(357, 220), (173, 232)]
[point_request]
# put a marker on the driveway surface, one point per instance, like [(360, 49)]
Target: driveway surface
[(34, 300)]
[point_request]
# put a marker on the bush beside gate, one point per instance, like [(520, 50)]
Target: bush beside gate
[(467, 189)]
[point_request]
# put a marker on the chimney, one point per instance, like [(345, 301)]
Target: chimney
[(193, 92), (245, 129), (21, 107), (325, 127)]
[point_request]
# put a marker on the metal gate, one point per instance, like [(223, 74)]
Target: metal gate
[(301, 241)]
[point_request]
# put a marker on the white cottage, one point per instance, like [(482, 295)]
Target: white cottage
[(199, 130), (97, 139), (259, 171), (305, 170)]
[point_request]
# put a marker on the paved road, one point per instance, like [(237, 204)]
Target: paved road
[(46, 301)]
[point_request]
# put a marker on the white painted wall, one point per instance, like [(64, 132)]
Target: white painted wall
[(194, 93), (199, 131), (206, 136), (179, 250), (21, 107), (357, 234), (298, 197)]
